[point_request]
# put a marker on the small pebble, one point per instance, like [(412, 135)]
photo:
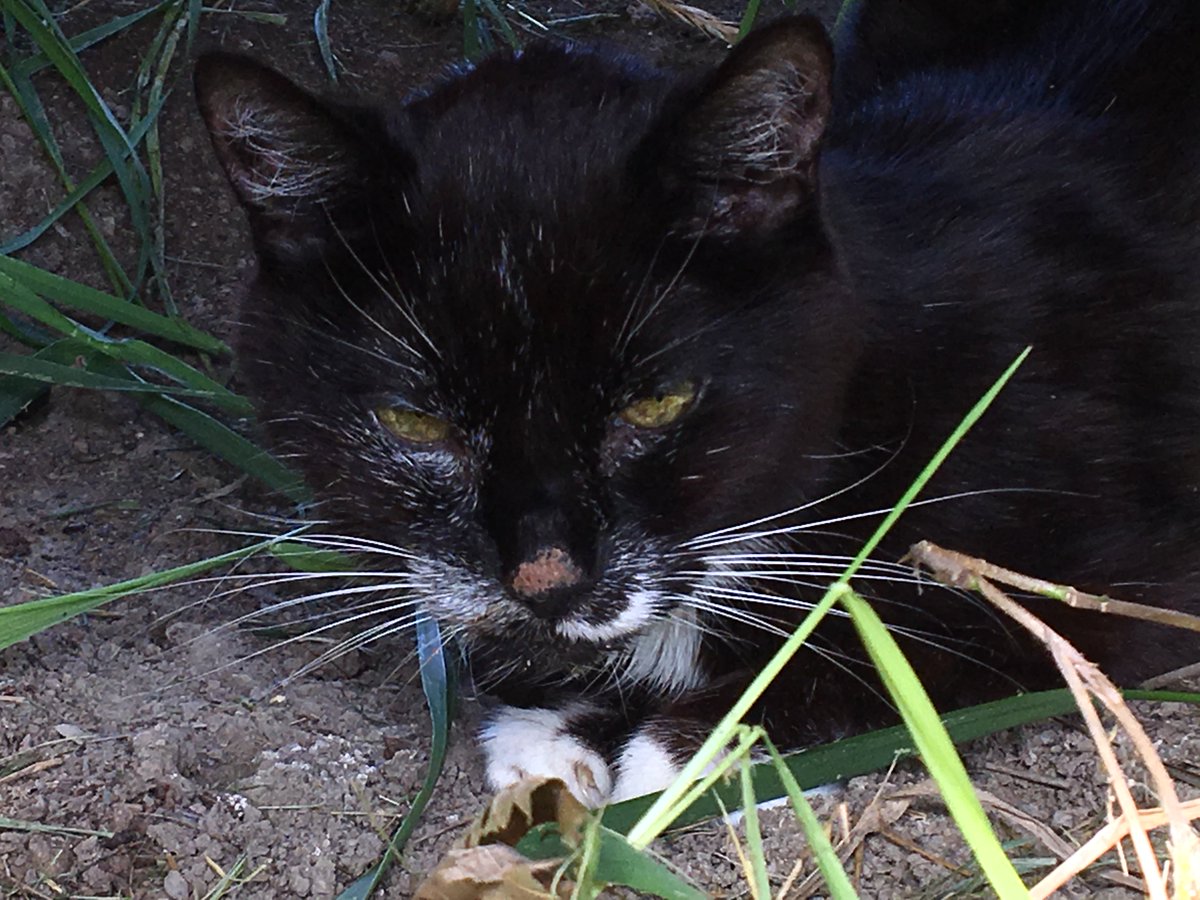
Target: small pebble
[(175, 887)]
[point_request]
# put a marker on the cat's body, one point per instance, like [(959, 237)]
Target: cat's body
[(569, 334)]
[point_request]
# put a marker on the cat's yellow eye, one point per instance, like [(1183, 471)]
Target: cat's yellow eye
[(661, 409), (413, 426)]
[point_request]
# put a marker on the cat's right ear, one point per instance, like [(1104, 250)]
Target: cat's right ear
[(739, 157), (293, 161)]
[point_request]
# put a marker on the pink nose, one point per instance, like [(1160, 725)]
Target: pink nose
[(551, 568)]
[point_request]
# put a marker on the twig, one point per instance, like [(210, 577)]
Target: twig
[(33, 769), (913, 847), (1171, 677), (1060, 784), (963, 570), (1084, 678), (697, 18)]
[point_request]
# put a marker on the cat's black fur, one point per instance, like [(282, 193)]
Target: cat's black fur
[(839, 264)]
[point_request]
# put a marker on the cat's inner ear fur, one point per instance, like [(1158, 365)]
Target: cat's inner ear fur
[(742, 156), (290, 158)]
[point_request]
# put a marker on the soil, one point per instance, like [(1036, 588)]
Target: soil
[(148, 747)]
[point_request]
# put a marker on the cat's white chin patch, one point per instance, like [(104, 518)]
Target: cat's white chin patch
[(639, 609), (666, 655), (535, 743)]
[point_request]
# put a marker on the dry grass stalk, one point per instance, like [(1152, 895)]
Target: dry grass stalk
[(948, 563), (885, 809), (1173, 677), (694, 17), (1086, 681)]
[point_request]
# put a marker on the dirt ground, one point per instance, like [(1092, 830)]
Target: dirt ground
[(157, 748)]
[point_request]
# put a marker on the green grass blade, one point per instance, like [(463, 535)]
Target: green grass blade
[(85, 39), (760, 884), (935, 747), (877, 750), (7, 824), (150, 92), (960, 431), (836, 879), (26, 619), (619, 863), (437, 680), (74, 197), (37, 19), (749, 17), (20, 282), (127, 350), (17, 393), (35, 368), (477, 40), (193, 383), (194, 10), (30, 104), (138, 353), (300, 556), (501, 20), (132, 351), (614, 861), (215, 437), (321, 30), (664, 809), (27, 333), (229, 445)]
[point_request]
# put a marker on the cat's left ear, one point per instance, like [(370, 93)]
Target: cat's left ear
[(741, 156), (293, 160)]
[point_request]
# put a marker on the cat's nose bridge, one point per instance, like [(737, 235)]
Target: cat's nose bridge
[(548, 550), (544, 530)]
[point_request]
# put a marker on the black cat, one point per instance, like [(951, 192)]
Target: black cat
[(615, 368)]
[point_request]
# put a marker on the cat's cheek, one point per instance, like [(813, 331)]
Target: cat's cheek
[(537, 743)]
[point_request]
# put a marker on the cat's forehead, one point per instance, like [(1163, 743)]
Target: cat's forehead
[(526, 312), (534, 128), (540, 293)]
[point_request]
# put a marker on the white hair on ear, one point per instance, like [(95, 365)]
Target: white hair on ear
[(283, 164)]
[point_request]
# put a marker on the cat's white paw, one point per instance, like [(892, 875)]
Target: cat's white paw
[(646, 766), (523, 743)]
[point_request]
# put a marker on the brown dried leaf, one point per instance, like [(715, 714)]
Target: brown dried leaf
[(523, 805), (483, 864), (492, 872)]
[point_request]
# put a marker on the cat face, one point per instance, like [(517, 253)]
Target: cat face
[(521, 331)]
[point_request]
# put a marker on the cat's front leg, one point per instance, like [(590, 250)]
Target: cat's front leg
[(599, 756), (560, 742)]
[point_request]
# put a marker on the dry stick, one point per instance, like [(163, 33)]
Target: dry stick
[(1175, 675), (791, 878), (870, 821), (33, 768), (960, 566), (912, 846), (1039, 831), (965, 571), (697, 18), (1111, 834), (1070, 662)]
